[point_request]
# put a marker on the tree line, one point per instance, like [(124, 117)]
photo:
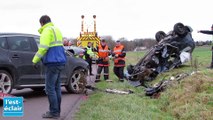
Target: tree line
[(133, 45), (130, 45)]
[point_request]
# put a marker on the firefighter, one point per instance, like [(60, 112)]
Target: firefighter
[(65, 43), (69, 43), (88, 55), (209, 32), (119, 60), (103, 60)]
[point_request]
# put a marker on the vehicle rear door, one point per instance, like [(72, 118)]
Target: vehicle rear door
[(21, 54)]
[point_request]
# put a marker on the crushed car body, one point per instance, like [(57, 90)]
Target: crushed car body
[(171, 51)]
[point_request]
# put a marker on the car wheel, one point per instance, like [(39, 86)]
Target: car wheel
[(179, 29), (38, 89), (5, 82), (77, 82), (160, 35)]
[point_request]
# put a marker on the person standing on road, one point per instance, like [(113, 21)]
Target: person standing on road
[(88, 55), (209, 32), (52, 54), (119, 60), (103, 60)]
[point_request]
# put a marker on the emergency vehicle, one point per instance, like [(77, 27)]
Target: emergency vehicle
[(88, 36)]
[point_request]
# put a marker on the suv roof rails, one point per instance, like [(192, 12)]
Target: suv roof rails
[(7, 33)]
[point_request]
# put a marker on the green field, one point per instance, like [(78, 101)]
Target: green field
[(191, 99)]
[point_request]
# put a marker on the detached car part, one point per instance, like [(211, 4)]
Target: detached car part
[(162, 85)]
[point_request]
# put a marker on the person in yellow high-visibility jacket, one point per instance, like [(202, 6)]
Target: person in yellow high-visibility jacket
[(52, 54), (88, 55)]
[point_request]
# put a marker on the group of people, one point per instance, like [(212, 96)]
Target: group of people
[(118, 55), (51, 48)]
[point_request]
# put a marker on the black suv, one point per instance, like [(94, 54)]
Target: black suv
[(16, 68)]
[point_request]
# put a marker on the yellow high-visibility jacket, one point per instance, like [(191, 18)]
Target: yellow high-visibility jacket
[(88, 52), (50, 49)]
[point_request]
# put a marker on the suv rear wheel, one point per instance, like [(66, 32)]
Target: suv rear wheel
[(160, 35), (5, 82), (77, 82)]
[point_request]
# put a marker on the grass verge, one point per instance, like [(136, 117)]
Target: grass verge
[(191, 99)]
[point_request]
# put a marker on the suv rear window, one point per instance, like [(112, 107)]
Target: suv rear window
[(19, 43)]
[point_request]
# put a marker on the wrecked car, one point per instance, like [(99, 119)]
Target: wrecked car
[(171, 51)]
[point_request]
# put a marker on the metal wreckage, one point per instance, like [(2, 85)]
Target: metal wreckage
[(171, 51)]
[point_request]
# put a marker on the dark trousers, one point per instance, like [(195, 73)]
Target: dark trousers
[(90, 66), (119, 72), (106, 72)]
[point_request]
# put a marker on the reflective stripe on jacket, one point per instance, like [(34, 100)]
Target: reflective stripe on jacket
[(51, 49), (89, 52), (117, 60), (103, 52)]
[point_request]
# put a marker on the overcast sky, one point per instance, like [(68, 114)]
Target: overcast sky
[(119, 18)]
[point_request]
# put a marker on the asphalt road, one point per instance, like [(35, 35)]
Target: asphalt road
[(36, 103)]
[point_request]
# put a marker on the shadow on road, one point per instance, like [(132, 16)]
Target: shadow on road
[(30, 94)]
